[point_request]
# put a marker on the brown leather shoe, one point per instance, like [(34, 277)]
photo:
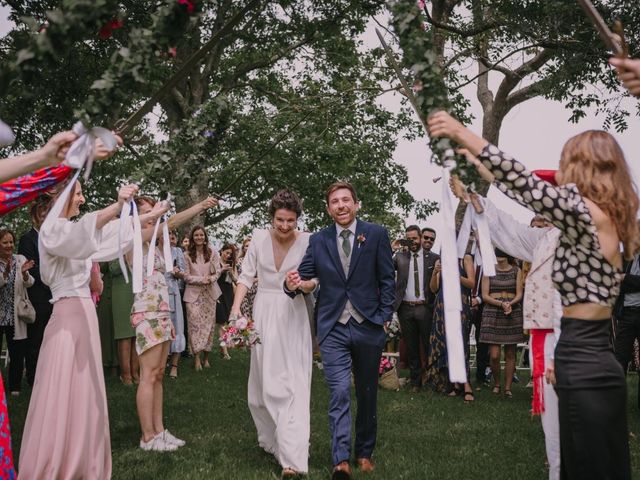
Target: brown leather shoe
[(365, 465), (342, 471)]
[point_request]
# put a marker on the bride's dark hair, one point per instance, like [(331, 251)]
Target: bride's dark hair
[(287, 200)]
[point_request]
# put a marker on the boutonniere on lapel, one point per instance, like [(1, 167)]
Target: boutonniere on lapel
[(361, 239)]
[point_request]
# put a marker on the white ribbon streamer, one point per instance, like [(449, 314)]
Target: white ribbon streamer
[(82, 149), (61, 201), (6, 135), (166, 245), (480, 224), (450, 278), (129, 209)]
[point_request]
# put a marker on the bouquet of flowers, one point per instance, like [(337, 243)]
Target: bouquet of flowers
[(385, 365), (240, 333), (388, 374), (393, 328)]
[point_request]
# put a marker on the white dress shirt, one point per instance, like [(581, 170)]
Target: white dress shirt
[(410, 292)]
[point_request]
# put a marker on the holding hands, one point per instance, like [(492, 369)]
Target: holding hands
[(293, 280)]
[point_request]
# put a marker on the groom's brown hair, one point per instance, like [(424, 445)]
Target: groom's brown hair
[(337, 186)]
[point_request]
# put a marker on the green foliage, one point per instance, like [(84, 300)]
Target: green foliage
[(289, 60), (130, 67), (420, 56), (420, 436)]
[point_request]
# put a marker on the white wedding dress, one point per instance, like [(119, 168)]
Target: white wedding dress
[(280, 374)]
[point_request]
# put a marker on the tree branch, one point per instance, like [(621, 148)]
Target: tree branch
[(463, 33), (242, 70)]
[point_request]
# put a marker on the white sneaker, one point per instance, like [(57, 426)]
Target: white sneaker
[(158, 444), (169, 438)]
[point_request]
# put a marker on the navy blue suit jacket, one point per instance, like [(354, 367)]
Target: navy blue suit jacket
[(369, 285)]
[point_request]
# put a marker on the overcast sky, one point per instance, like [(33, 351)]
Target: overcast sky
[(534, 133)]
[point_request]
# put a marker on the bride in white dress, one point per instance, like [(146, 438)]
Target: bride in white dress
[(280, 373)]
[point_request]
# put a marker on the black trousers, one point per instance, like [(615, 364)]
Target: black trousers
[(35, 333), (482, 349), (17, 349), (627, 331), (594, 437), (415, 322)]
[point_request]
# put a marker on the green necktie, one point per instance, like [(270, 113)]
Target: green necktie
[(416, 276), (346, 244)]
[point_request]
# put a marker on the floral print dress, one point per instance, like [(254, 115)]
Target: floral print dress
[(151, 312)]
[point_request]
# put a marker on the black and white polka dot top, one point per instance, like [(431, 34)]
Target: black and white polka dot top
[(580, 272)]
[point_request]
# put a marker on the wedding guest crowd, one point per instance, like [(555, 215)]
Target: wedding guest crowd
[(591, 239)]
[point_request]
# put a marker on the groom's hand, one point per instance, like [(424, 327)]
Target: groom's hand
[(293, 281)]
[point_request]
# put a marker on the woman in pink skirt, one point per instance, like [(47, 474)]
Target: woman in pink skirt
[(66, 434)]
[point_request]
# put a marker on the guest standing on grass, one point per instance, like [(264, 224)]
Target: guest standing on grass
[(14, 281), (201, 294), (502, 319), (227, 283), (66, 433), (437, 374), (39, 293), (175, 282), (595, 206), (279, 387), (414, 300), (114, 309), (151, 317), (542, 308)]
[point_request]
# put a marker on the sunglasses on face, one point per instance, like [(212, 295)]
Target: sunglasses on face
[(432, 239)]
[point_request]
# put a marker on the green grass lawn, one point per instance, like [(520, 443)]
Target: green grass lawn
[(421, 436)]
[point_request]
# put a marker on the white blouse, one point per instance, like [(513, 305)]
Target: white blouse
[(68, 248)]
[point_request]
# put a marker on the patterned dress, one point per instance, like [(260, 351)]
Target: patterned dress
[(497, 327), (200, 300), (247, 302), (151, 312), (437, 373), (7, 470)]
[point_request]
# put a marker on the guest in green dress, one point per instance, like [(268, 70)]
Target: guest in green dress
[(105, 320), (115, 309)]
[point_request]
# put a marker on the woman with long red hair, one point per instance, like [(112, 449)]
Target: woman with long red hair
[(595, 206)]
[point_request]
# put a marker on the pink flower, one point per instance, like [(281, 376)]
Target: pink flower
[(164, 306), (241, 323), (106, 31), (136, 318), (189, 4), (173, 52), (361, 239), (421, 4)]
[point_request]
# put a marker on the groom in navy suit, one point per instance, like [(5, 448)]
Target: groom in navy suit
[(353, 263)]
